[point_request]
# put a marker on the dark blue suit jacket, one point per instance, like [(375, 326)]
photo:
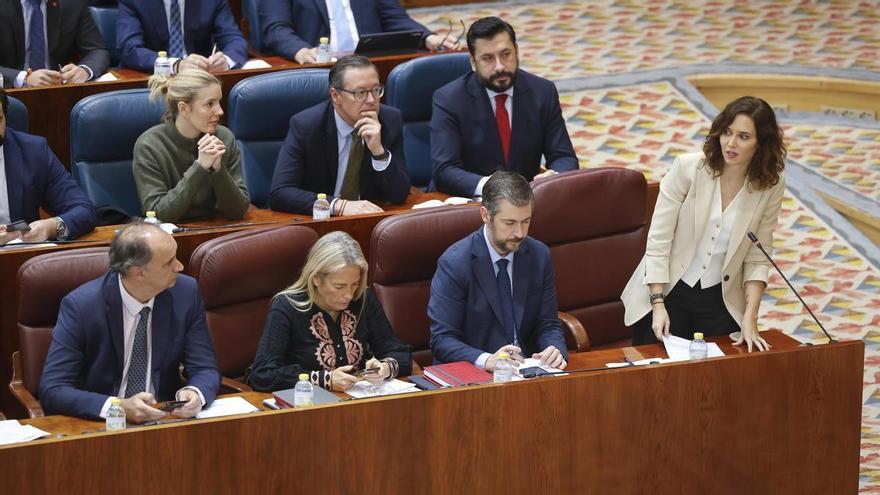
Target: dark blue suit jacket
[(142, 31), (465, 310), (309, 161), (35, 178), (87, 356), (465, 145), (291, 25)]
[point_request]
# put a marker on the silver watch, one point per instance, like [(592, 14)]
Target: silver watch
[(60, 228)]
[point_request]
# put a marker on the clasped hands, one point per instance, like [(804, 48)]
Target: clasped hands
[(41, 230), (211, 151), (342, 379), (139, 407), (68, 74)]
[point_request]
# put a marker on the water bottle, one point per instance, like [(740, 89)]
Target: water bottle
[(321, 209), (115, 416), (503, 369), (151, 218), (303, 393), (698, 348), (162, 66), (322, 56)]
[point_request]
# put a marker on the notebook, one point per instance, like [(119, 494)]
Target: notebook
[(456, 374), (284, 398)]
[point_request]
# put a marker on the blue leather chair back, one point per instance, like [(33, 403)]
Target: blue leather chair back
[(260, 109), (410, 89), (103, 130), (105, 19), (17, 115), (251, 11)]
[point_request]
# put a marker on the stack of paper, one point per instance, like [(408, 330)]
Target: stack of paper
[(227, 406), (535, 363), (11, 431), (677, 348), (390, 387)]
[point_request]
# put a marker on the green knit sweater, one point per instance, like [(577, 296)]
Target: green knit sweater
[(171, 182)]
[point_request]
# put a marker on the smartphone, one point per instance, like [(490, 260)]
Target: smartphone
[(19, 226), (532, 372), (172, 405)]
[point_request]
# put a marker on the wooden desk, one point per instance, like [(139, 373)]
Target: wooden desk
[(360, 227), (783, 421), (49, 107)]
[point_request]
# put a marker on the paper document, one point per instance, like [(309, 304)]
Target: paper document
[(227, 406), (107, 77), (11, 431), (677, 348), (168, 227), (361, 389), (532, 362), (13, 243), (640, 362), (256, 63), (452, 200)]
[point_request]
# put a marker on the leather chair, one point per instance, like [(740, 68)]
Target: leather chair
[(251, 11), (260, 109), (410, 89), (405, 249), (17, 115), (238, 274), (103, 130), (42, 282), (594, 222), (105, 20)]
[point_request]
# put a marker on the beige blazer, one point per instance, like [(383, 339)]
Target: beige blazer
[(680, 217)]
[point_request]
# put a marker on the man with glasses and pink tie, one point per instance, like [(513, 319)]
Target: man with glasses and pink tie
[(349, 147)]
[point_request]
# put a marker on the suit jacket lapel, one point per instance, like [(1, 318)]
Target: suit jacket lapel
[(17, 22), (705, 186), (522, 260), (14, 165), (521, 120), (322, 8), (113, 309), (161, 332), (745, 210), (331, 146), (484, 273), (160, 20), (485, 119), (53, 31)]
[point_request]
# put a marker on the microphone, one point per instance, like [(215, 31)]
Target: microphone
[(756, 242), (178, 230)]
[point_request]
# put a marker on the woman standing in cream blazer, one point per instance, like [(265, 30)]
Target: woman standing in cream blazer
[(700, 272)]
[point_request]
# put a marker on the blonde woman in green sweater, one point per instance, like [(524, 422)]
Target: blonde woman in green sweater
[(188, 167)]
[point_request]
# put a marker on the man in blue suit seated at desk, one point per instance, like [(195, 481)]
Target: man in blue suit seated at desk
[(30, 177), (497, 117), (195, 33), (126, 334), (494, 290), (350, 148), (293, 28)]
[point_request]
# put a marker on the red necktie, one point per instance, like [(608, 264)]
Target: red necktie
[(503, 122)]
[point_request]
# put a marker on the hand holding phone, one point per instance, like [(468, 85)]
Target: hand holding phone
[(172, 405), (19, 226)]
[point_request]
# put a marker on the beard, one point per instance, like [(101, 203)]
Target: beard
[(492, 81)]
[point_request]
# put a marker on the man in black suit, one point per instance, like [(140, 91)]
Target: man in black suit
[(39, 38), (498, 117), (349, 147)]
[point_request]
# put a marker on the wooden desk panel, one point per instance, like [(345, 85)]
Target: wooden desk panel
[(783, 421), (49, 107)]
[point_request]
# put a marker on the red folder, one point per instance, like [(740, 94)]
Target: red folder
[(456, 374)]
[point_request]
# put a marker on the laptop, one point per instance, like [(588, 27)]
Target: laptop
[(392, 43)]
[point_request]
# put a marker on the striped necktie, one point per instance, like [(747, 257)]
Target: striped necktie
[(36, 38), (137, 366), (175, 40)]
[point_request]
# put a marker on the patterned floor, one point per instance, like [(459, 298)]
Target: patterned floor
[(643, 125)]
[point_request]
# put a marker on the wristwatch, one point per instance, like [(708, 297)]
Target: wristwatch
[(60, 228), (656, 297), (380, 158)]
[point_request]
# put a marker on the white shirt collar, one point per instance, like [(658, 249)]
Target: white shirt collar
[(343, 130), (493, 254), (493, 94), (131, 305)]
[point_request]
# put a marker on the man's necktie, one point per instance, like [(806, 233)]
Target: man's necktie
[(175, 40), (503, 121), (137, 366), (351, 184), (344, 41), (36, 38), (506, 297)]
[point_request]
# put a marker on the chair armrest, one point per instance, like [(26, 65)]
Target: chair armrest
[(20, 392), (575, 336), (235, 385)]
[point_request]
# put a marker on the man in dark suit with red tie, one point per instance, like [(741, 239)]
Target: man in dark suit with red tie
[(39, 39), (497, 117)]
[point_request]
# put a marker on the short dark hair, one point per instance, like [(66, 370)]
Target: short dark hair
[(4, 101), (506, 185), (337, 73), (129, 248), (769, 159), (486, 28)]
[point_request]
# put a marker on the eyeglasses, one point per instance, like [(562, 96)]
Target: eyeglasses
[(449, 31), (361, 94)]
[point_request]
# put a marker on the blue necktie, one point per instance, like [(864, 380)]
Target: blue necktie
[(137, 366), (506, 297), (36, 38), (175, 42), (344, 41)]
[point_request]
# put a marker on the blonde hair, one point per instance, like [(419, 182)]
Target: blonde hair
[(332, 253), (184, 86)]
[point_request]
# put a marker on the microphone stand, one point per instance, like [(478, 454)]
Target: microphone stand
[(756, 242)]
